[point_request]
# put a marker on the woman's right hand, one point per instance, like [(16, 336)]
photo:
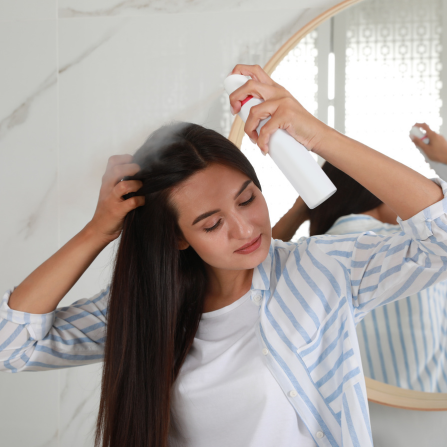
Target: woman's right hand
[(44, 288), (111, 209)]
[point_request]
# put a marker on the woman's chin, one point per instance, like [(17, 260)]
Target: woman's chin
[(253, 258)]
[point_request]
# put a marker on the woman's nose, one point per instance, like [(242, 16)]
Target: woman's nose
[(240, 228)]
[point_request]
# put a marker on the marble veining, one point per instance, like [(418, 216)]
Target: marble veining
[(31, 221), (92, 48), (135, 6), (77, 411), (20, 113), (71, 8), (52, 441)]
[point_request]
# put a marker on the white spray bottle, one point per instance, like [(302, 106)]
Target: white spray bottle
[(291, 157), (420, 134)]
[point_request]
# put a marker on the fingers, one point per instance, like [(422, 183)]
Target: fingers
[(132, 203), (423, 126), (268, 129), (257, 90), (426, 127), (281, 115), (255, 72), (116, 206), (126, 187), (119, 160), (257, 114), (116, 172)]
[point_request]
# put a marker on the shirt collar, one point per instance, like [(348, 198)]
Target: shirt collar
[(261, 273)]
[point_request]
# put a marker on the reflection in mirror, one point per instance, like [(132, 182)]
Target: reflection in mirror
[(372, 72), (393, 68)]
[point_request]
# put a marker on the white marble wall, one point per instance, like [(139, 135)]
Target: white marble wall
[(81, 80)]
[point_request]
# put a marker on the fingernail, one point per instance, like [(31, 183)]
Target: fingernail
[(232, 110), (253, 141)]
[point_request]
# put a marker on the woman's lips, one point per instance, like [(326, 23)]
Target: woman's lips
[(250, 247)]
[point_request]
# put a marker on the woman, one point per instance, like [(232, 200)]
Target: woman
[(402, 343), (244, 339)]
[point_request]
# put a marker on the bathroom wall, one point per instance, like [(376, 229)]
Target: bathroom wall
[(80, 81)]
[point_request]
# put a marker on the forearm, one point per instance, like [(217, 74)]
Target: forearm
[(287, 226), (404, 190), (44, 288)]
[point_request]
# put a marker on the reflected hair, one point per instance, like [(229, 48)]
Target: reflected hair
[(350, 198), (157, 291)]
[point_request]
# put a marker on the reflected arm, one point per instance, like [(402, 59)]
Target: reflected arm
[(404, 190), (288, 225)]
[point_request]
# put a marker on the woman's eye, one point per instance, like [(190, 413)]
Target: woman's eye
[(248, 201), (220, 220), (213, 227)]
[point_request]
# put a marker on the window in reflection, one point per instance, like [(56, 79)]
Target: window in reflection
[(393, 67)]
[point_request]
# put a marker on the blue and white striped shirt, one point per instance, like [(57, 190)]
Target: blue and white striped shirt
[(311, 296), (402, 343)]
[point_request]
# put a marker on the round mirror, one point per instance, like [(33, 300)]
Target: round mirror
[(371, 70)]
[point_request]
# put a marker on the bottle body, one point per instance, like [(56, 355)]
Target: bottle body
[(420, 134), (295, 162)]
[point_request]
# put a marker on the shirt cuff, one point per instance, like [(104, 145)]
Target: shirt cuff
[(419, 226), (38, 325)]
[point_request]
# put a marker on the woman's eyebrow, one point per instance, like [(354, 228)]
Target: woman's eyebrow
[(245, 184), (209, 213), (204, 216)]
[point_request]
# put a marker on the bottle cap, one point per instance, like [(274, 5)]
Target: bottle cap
[(233, 82)]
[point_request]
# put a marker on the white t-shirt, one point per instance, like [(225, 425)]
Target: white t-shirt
[(225, 395)]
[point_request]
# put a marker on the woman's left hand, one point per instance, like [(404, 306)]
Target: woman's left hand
[(436, 149), (285, 111)]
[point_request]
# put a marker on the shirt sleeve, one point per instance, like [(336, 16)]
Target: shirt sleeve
[(382, 269), (68, 336)]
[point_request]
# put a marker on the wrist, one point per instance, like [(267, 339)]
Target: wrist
[(331, 141), (94, 236)]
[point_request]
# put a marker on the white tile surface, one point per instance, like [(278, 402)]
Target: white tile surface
[(79, 403), (28, 170), (394, 427), (28, 147), (28, 9), (29, 409), (100, 8)]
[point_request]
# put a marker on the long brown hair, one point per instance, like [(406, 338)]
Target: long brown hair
[(350, 198), (157, 291)]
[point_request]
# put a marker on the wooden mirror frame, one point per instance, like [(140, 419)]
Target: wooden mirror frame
[(378, 392)]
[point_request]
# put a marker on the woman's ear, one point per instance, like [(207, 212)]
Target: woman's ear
[(182, 244)]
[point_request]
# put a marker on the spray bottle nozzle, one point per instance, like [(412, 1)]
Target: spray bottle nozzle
[(246, 100)]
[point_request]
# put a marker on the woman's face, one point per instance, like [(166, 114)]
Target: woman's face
[(221, 211)]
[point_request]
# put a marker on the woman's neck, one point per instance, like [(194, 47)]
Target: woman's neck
[(225, 287)]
